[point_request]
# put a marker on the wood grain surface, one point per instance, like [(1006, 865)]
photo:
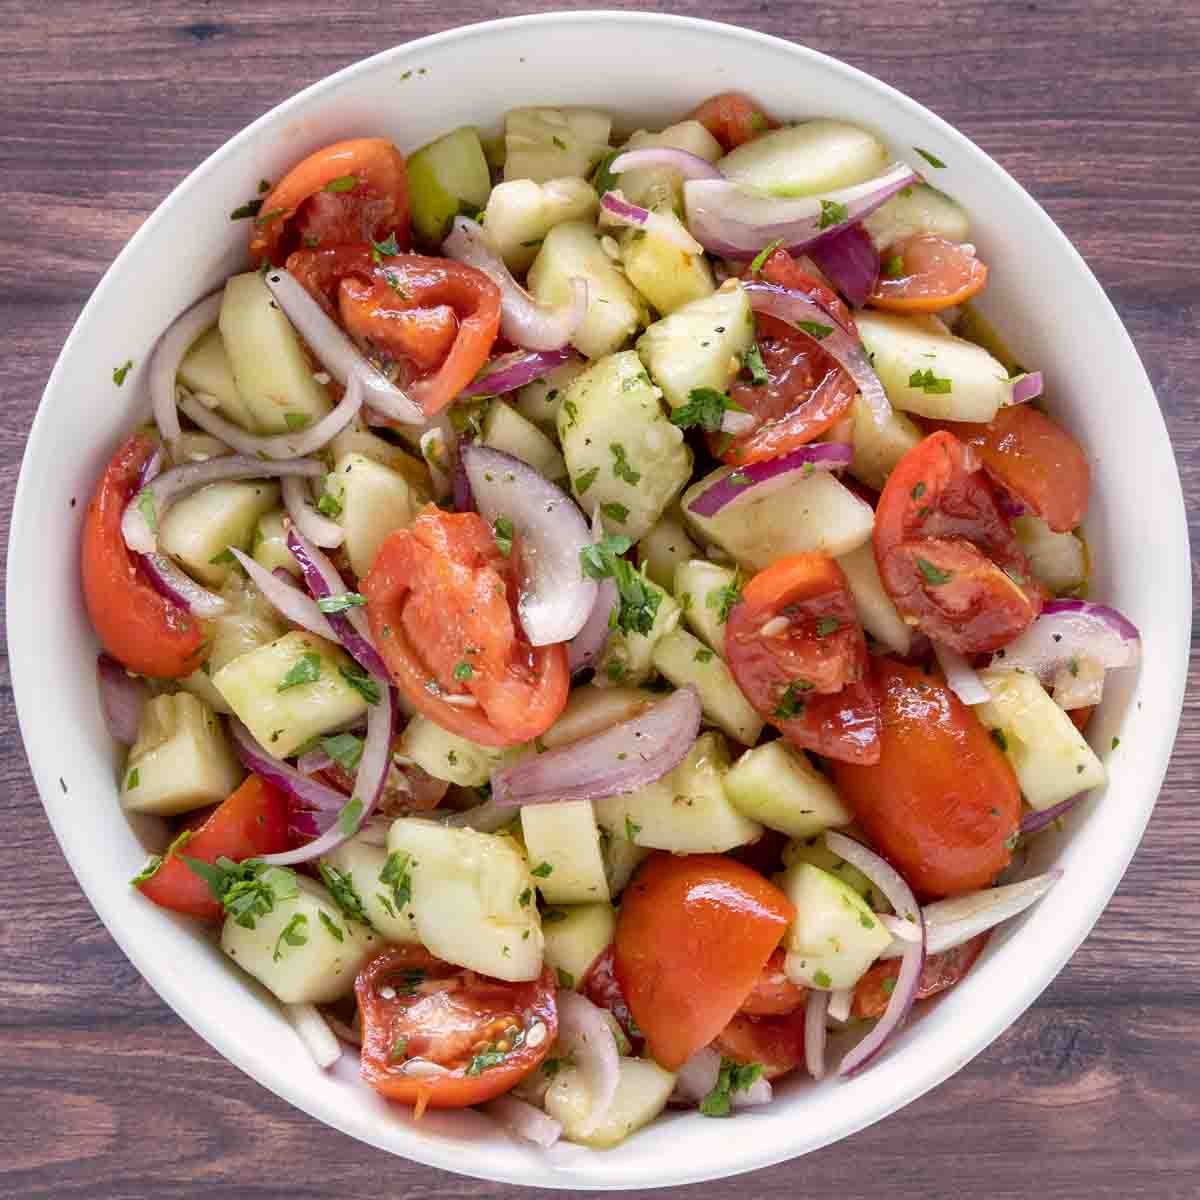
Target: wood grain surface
[(1093, 105)]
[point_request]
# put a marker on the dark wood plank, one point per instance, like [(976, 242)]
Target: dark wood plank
[(105, 105)]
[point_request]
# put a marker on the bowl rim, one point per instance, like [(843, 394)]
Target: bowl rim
[(743, 1155)]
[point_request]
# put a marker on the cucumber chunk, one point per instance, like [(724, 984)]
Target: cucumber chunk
[(520, 213), (447, 177), (250, 621), (835, 936), (699, 345), (538, 401), (628, 658), (355, 440), (643, 1088), (1049, 755), (576, 936), (917, 209), (615, 310), (207, 371), (362, 865), (198, 530), (181, 760), (683, 659), (652, 186), (272, 369), (814, 851), (665, 547), (779, 787), (282, 720), (466, 897), (375, 501), (621, 860), (1059, 560), (805, 160), (293, 951), (505, 429), (449, 756), (623, 455), (666, 274), (875, 608), (270, 545), (549, 143), (702, 587), (564, 838), (877, 451)]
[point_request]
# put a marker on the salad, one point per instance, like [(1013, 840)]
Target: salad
[(598, 616)]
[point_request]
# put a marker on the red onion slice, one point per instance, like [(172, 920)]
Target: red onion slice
[(528, 1123), (515, 370), (319, 530), (616, 210), (523, 321), (122, 698), (180, 588), (588, 644), (827, 456), (690, 166), (549, 531), (1035, 822), (286, 597), (815, 1009), (337, 353), (171, 350), (851, 263), (961, 678), (584, 1033), (306, 792), (734, 221), (843, 346), (697, 1076), (1026, 387), (618, 760)]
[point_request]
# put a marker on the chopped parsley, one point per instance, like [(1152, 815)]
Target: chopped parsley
[(329, 506), (705, 407), (384, 249), (1016, 576), (344, 748), (153, 865), (292, 934), (565, 978), (760, 259), (827, 625), (542, 870), (119, 373), (296, 421), (893, 268), (932, 574), (399, 1050), (918, 491), (343, 183), (250, 209), (148, 509), (132, 780), (1116, 742), (724, 598), (703, 655), (929, 383), (603, 180), (615, 512), (822, 979), (572, 412), (246, 890), (999, 737), (1010, 842), (361, 682), (341, 887), (331, 926), (732, 1077), (752, 365), (397, 875), (341, 601), (349, 817), (790, 704), (502, 530), (585, 479), (632, 829), (815, 329), (486, 1058), (639, 598), (621, 468), (226, 556), (832, 213), (931, 159), (306, 669), (525, 897)]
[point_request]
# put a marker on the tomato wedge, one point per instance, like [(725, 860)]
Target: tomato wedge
[(940, 972), (139, 627), (733, 119), (441, 601), (352, 191), (797, 652), (1036, 459), (253, 821), (488, 1034), (942, 803), (946, 554), (926, 273), (774, 994), (777, 1043), (692, 937), (600, 986), (433, 320)]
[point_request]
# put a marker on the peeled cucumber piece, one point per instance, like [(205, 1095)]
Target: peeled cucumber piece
[(549, 143), (792, 514), (628, 658), (576, 936), (563, 837), (273, 372), (280, 713), (779, 787), (652, 186), (684, 659), (447, 177), (538, 401), (269, 545), (466, 897), (686, 811), (876, 450), (295, 953), (1050, 756), (591, 709), (876, 612), (362, 864), (700, 586), (375, 501), (700, 344), (505, 429), (919, 208), (643, 1088), (198, 530), (967, 383), (181, 760), (621, 859), (623, 455), (355, 440), (805, 160), (206, 371), (1059, 560), (813, 850), (835, 936), (520, 213), (664, 548), (449, 756), (615, 309), (249, 621), (666, 274)]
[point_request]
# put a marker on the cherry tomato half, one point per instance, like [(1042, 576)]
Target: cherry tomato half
[(927, 273), (733, 119), (139, 627), (940, 972), (797, 652), (774, 994), (352, 191), (600, 986), (692, 937), (487, 1033), (441, 601), (946, 554), (942, 803), (776, 1043)]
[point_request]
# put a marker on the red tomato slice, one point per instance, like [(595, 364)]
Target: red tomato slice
[(774, 994), (441, 601), (434, 319), (139, 627), (733, 119), (1036, 459), (946, 554), (252, 822), (692, 937), (352, 191), (931, 273), (941, 971), (942, 803), (600, 986), (416, 1006), (777, 1043), (797, 651)]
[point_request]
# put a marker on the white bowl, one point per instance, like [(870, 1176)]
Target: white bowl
[(646, 69)]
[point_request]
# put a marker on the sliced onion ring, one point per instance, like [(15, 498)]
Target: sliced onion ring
[(171, 350), (1035, 822), (1026, 387), (961, 677), (690, 166), (616, 210), (851, 263), (815, 1009), (180, 588), (286, 597), (515, 370), (523, 321), (840, 1002), (584, 1032), (549, 532), (306, 792), (612, 763), (828, 456), (122, 699), (528, 1123), (319, 530), (314, 1031)]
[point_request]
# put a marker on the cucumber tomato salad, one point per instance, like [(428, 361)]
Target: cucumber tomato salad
[(598, 615)]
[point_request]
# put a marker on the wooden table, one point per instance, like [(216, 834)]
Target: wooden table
[(105, 105)]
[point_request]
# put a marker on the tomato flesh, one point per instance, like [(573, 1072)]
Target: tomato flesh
[(942, 804), (774, 994), (733, 119), (932, 273), (940, 972), (488, 1034), (776, 1043), (691, 940), (600, 986)]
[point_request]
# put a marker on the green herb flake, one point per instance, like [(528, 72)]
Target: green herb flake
[(399, 1050), (918, 491), (760, 259), (265, 219), (349, 817), (341, 601), (866, 921), (296, 421), (732, 1077), (329, 506), (486, 1059), (307, 669), (502, 530), (632, 829), (933, 575), (132, 780), (292, 935), (832, 213), (931, 159), (149, 870), (639, 598), (704, 408), (345, 749), (822, 979), (615, 512), (244, 211), (397, 875), (827, 625), (525, 897), (147, 507), (814, 329), (703, 655), (1116, 742), (565, 978), (1000, 738), (385, 249), (621, 468), (463, 671), (1010, 842), (790, 704), (341, 887), (226, 556), (724, 598), (888, 986), (752, 365), (558, 141), (929, 383), (356, 678), (331, 926), (615, 671), (542, 870), (603, 180), (1016, 576), (246, 890), (585, 479), (571, 410), (119, 373), (343, 183), (893, 268)]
